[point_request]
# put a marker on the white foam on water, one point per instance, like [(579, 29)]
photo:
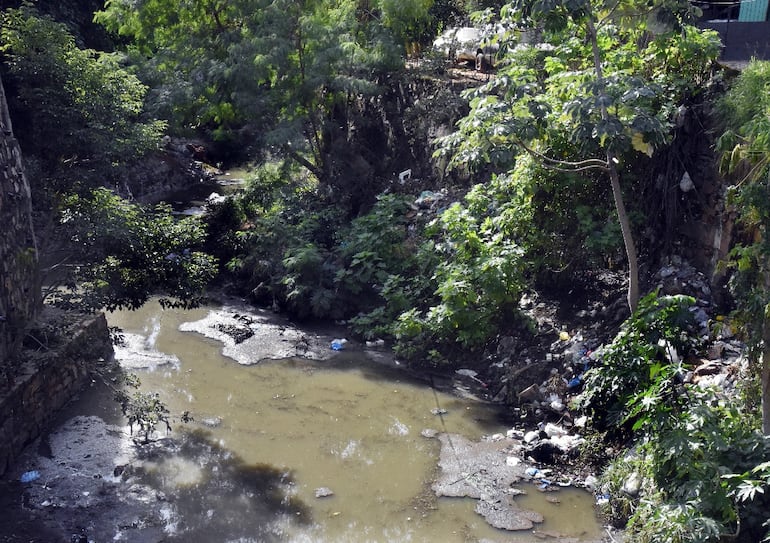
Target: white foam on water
[(398, 428), (138, 352)]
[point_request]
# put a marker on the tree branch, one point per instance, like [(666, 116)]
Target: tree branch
[(315, 170), (566, 165), (600, 23)]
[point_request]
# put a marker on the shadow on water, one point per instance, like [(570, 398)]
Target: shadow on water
[(216, 496), (488, 420)]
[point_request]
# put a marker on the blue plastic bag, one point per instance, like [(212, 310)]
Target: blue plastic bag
[(29, 476)]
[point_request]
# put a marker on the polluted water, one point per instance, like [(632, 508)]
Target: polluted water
[(302, 450)]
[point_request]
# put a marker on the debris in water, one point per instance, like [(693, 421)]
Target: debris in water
[(29, 476), (323, 492), (338, 344)]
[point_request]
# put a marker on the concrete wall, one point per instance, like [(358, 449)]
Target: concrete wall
[(742, 40), (43, 387)]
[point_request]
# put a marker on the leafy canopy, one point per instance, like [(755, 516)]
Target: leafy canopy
[(548, 97), (125, 254), (82, 111), (264, 72)]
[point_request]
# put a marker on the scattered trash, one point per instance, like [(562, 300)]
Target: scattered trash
[(376, 343), (534, 473), (686, 184), (472, 375), (29, 476), (338, 344), (212, 422), (554, 430), (603, 499), (438, 411), (564, 336), (427, 199), (557, 405), (529, 394), (632, 485), (512, 461), (575, 382), (215, 198)]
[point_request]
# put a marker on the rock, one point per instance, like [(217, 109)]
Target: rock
[(716, 350), (472, 469), (429, 433), (323, 492), (438, 411), (700, 316), (632, 485), (591, 483), (531, 436)]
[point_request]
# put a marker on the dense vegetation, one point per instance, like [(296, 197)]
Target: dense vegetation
[(542, 164)]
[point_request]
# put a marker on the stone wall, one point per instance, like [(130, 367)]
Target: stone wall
[(43, 386), (19, 285)]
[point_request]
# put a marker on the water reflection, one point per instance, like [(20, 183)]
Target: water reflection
[(213, 494)]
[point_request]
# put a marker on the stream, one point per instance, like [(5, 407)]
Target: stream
[(282, 440), (270, 440)]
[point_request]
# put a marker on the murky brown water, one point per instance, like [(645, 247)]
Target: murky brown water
[(346, 424)]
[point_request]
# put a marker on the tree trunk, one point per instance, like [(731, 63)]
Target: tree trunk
[(628, 238), (19, 277), (620, 208), (765, 372)]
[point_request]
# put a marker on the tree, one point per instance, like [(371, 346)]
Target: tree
[(596, 89), (277, 72), (86, 128), (82, 111), (745, 144), (122, 253)]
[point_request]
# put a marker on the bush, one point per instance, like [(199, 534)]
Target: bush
[(638, 379), (696, 451)]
